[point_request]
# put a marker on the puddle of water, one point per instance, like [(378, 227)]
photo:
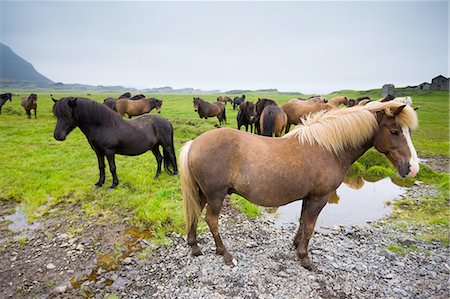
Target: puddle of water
[(112, 261), (355, 202), (17, 223)]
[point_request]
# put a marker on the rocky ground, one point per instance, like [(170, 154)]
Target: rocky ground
[(75, 255)]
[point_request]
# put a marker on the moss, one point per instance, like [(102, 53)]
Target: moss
[(380, 171), (402, 250)]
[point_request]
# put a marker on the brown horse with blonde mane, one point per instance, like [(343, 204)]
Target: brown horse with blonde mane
[(225, 100), (137, 107), (296, 110), (336, 101), (311, 100), (311, 162), (273, 121), (206, 109)]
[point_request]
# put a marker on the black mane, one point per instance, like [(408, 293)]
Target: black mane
[(86, 111)]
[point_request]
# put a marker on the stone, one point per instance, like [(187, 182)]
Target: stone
[(60, 289), (50, 266)]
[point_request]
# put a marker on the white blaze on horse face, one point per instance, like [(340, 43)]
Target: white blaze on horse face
[(413, 161)]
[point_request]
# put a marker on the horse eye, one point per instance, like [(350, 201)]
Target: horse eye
[(393, 132)]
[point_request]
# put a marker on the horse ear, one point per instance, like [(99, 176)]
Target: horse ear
[(398, 110), (72, 102)]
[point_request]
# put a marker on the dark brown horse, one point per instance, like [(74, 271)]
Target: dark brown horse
[(126, 95), (138, 97), (295, 111), (109, 134), (30, 103), (237, 101), (3, 98), (259, 107), (246, 115), (273, 121), (110, 103), (137, 107), (310, 163), (224, 99), (206, 109)]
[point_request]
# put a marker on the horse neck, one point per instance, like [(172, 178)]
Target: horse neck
[(204, 106), (87, 123), (349, 156)]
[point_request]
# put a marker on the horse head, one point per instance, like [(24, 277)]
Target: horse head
[(63, 109), (250, 110), (32, 99), (196, 102), (158, 104), (394, 138)]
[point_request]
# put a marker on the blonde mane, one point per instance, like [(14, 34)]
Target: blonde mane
[(341, 129)]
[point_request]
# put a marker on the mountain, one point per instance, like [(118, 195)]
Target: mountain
[(14, 68)]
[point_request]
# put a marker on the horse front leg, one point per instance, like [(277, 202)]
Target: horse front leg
[(28, 113), (112, 168), (159, 159), (101, 167), (311, 208), (35, 112)]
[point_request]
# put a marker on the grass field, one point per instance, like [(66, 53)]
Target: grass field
[(39, 171)]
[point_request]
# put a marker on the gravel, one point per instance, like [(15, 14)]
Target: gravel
[(351, 262)]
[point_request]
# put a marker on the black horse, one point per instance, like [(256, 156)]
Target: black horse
[(237, 101), (126, 95), (138, 97), (3, 98), (246, 115), (259, 107), (109, 134)]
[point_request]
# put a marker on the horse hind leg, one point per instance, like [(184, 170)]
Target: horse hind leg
[(192, 234), (170, 160), (311, 208), (212, 219), (159, 159)]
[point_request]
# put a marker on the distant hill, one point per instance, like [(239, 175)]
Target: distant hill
[(14, 68)]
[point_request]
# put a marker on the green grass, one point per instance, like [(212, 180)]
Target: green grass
[(40, 172)]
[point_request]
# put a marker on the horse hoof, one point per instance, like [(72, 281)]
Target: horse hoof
[(307, 264), (229, 260), (96, 186), (196, 252)]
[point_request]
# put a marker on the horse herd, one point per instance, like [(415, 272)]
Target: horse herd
[(308, 163), (28, 103)]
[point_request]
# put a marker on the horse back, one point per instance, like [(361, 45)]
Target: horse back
[(266, 171)]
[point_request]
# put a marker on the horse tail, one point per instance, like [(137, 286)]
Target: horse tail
[(169, 155), (189, 189), (224, 115), (269, 124)]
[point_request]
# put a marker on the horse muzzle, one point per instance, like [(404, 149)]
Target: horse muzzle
[(59, 137), (408, 170)]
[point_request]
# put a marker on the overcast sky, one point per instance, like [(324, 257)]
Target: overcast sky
[(311, 47)]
